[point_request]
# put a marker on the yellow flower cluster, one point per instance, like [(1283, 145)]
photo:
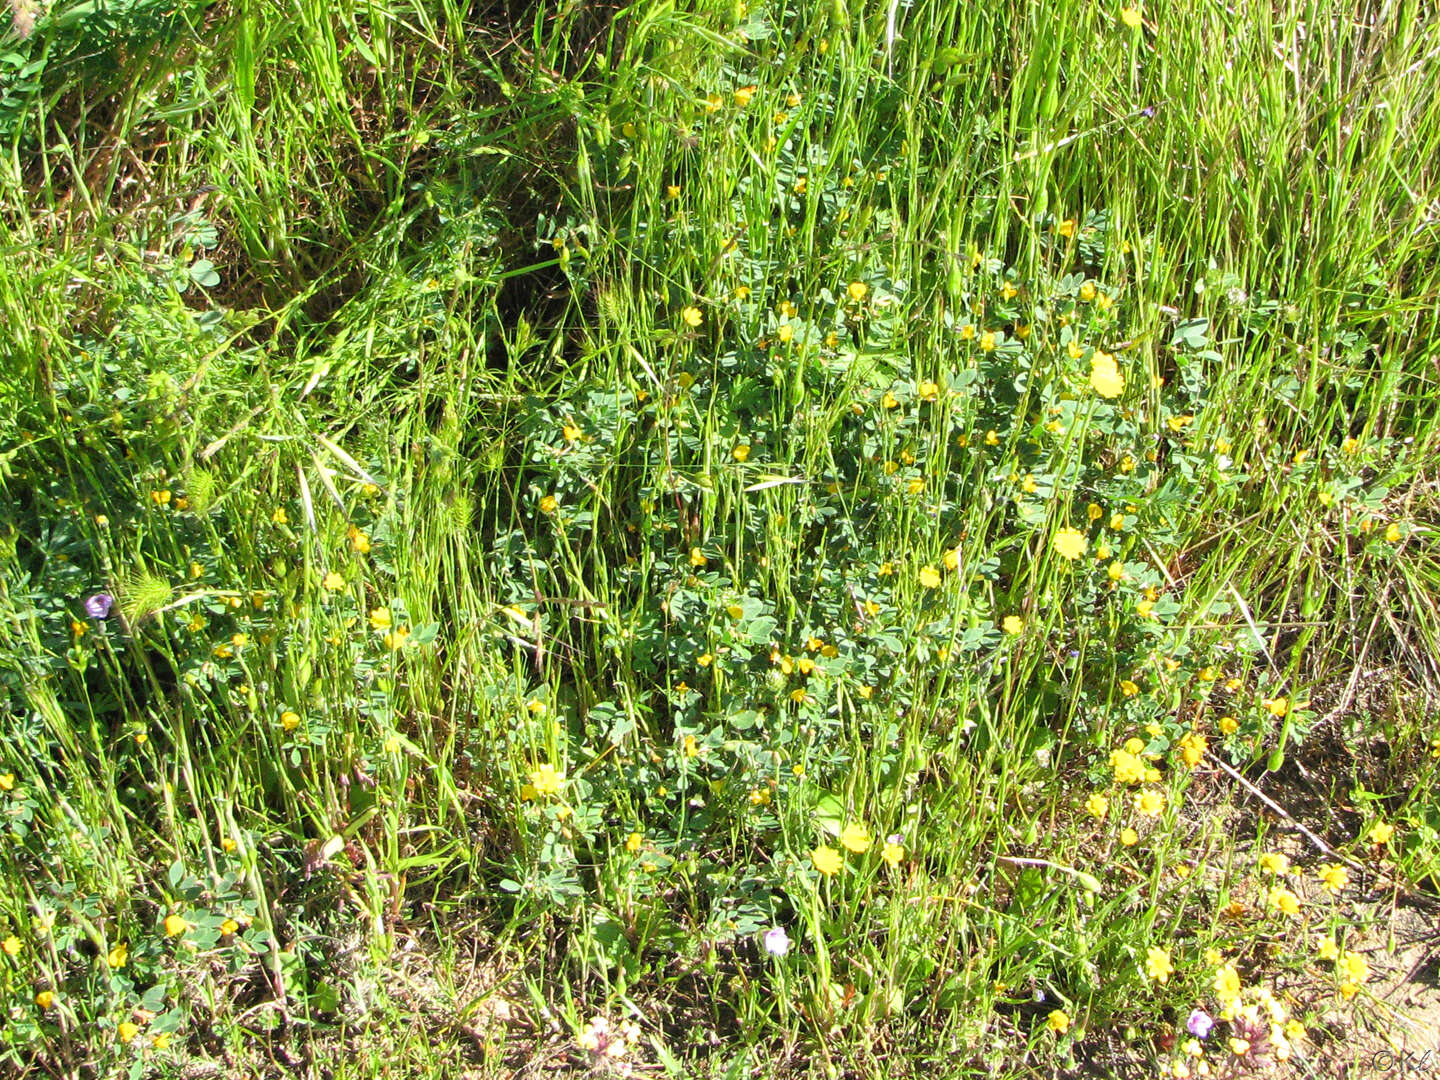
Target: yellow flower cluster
[(856, 839), (1128, 766), (544, 780), (1105, 377)]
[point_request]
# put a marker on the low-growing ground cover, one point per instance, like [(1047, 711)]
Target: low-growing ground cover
[(717, 540)]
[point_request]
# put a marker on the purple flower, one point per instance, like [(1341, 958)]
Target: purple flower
[(98, 606), (1199, 1023), (777, 942)]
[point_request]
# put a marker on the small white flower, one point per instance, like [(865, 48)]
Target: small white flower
[(777, 942)]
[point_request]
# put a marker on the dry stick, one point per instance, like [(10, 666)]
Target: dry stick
[(211, 450), (1420, 899)]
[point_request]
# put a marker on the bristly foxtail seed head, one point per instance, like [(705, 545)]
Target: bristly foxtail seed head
[(200, 487), (459, 513), (144, 594)]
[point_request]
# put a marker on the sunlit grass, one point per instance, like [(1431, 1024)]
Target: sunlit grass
[(584, 496)]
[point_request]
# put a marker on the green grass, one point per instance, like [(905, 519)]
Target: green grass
[(558, 469)]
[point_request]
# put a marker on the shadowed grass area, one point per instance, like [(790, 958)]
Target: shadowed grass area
[(714, 539)]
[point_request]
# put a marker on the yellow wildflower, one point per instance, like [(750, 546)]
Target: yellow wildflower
[(1192, 748), (1354, 967), (546, 779), (1178, 424), (1157, 964), (1105, 377), (1227, 983), (1333, 877), (855, 837), (1129, 769), (1275, 862), (1070, 543), (1283, 900), (1150, 802)]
